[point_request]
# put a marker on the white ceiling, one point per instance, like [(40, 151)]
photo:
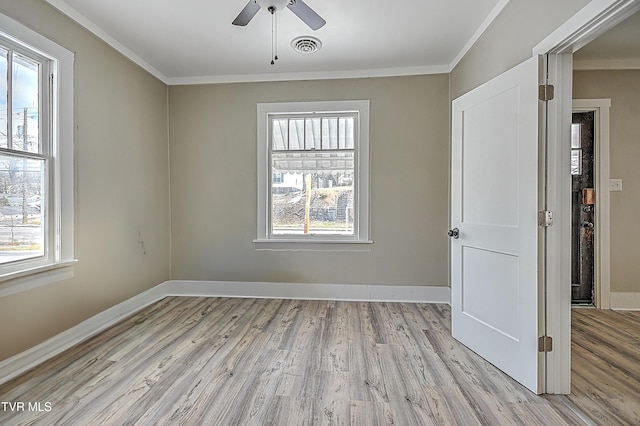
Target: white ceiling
[(193, 41)]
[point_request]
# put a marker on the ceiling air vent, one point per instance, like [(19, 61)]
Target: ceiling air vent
[(306, 44)]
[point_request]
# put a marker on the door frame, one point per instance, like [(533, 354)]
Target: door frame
[(602, 255), (593, 20)]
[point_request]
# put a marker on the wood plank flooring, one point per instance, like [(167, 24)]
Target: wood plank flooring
[(215, 361), (605, 358)]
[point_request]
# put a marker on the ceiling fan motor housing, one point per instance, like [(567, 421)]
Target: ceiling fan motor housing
[(278, 4), (298, 7)]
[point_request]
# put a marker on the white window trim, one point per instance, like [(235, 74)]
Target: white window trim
[(61, 255), (362, 228)]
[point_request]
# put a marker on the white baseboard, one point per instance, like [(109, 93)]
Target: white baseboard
[(625, 301), (351, 292), (20, 363)]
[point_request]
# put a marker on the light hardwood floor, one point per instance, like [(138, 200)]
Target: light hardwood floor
[(213, 361), (605, 358)]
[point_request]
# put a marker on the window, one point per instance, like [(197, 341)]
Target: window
[(576, 149), (36, 152), (313, 171)]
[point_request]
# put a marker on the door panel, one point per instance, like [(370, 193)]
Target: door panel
[(486, 269), (478, 128), (494, 193)]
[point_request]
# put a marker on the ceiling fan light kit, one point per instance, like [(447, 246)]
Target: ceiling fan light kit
[(299, 8)]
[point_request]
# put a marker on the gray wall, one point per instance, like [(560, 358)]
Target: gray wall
[(510, 39), (623, 88), (213, 183), (122, 174), (121, 186)]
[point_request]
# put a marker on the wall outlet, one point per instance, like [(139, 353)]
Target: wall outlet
[(615, 184)]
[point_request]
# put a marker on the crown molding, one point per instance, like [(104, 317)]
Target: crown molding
[(313, 75), (78, 17), (72, 13), (476, 36)]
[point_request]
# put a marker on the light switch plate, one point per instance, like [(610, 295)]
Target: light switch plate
[(615, 184)]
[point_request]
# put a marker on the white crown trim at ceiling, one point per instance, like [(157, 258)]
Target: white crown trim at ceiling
[(72, 13), (580, 64), (318, 75), (481, 29), (104, 36)]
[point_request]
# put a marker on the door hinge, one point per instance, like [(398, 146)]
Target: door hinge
[(546, 92), (545, 344), (545, 218)]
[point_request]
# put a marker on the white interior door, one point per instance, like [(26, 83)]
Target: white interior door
[(494, 204)]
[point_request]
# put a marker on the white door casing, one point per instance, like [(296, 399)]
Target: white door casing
[(494, 204), (593, 20)]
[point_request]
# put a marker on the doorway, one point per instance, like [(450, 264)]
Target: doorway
[(591, 22), (583, 208)]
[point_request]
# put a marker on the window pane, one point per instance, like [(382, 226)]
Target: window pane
[(280, 132), (3, 98), (346, 133), (21, 209), (576, 161), (25, 111), (323, 179), (296, 134), (576, 141), (329, 133), (313, 134)]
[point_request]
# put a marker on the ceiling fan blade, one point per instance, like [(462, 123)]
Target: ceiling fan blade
[(247, 13), (308, 15)]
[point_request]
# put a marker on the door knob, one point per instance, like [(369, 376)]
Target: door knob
[(454, 233), (588, 225)]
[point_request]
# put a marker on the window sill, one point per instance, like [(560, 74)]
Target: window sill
[(283, 244), (17, 282)]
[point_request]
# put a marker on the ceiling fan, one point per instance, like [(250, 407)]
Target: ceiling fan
[(298, 7)]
